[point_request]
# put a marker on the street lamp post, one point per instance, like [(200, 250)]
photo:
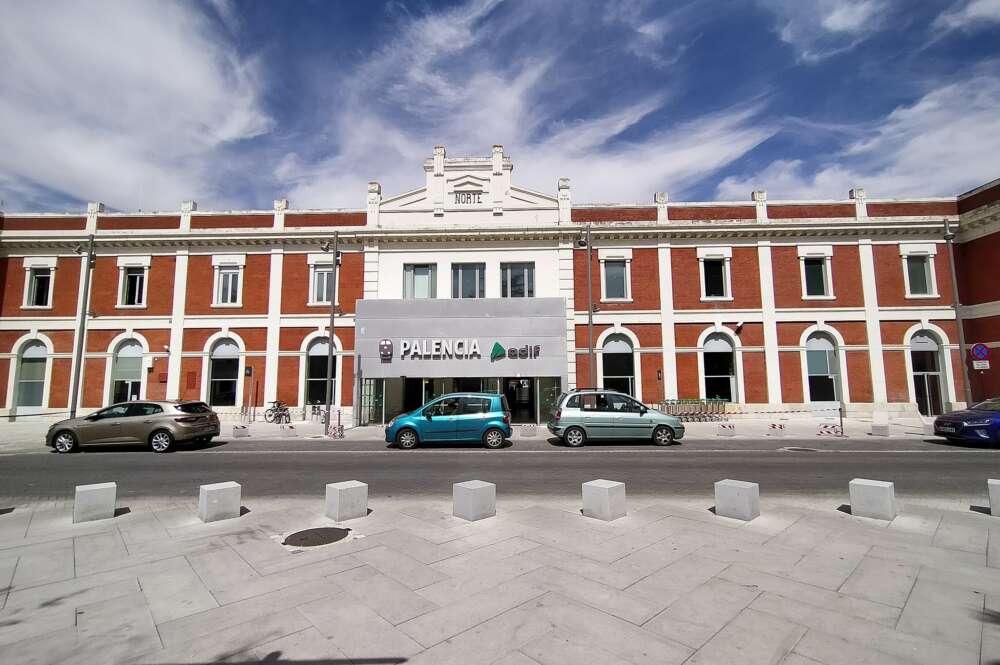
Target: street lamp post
[(332, 289), (949, 238), (81, 329)]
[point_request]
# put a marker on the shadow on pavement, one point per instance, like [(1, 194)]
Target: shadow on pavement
[(556, 442), (439, 445), (957, 443), (845, 508), (5, 511), (180, 446), (985, 510), (275, 658)]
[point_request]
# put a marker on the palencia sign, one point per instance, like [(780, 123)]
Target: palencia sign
[(427, 349), (439, 348)]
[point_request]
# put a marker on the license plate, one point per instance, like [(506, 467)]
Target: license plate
[(945, 428)]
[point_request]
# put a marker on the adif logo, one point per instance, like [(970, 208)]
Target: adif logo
[(385, 350), (498, 351), (526, 352)]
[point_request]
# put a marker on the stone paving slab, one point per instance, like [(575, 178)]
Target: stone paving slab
[(539, 584)]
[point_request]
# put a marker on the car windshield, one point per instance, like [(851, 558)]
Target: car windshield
[(988, 405), (194, 407)]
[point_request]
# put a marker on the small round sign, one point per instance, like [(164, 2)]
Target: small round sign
[(980, 351)]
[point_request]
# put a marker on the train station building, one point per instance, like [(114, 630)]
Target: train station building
[(472, 282)]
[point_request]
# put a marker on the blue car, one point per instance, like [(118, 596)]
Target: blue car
[(453, 417), (979, 423)]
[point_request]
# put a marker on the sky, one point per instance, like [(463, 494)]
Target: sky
[(142, 104)]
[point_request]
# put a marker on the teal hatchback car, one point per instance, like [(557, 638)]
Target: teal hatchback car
[(453, 417), (604, 414)]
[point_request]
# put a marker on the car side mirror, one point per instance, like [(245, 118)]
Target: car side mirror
[(642, 410), (428, 415)]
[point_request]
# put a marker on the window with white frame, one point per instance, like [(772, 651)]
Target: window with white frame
[(517, 280), (714, 269), (228, 280), (321, 286), (39, 278), (468, 280), (419, 281), (918, 269), (816, 271), (133, 281), (616, 274)]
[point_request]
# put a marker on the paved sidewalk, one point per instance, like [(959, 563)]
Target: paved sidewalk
[(537, 584)]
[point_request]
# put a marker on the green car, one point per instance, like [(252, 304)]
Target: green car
[(604, 414)]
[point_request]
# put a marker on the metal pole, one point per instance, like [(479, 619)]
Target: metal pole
[(949, 238), (81, 328), (333, 323), (590, 314)]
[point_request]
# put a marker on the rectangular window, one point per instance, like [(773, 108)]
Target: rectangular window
[(419, 281), (133, 293), (228, 289), (322, 281), (615, 282), (517, 280), (468, 280), (715, 278), (918, 270), (815, 276), (39, 287)]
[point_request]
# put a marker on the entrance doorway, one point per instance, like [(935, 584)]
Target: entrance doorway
[(925, 358), (520, 395)]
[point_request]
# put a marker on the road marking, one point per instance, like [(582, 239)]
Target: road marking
[(557, 452)]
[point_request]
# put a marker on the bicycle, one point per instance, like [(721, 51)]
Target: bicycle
[(277, 413)]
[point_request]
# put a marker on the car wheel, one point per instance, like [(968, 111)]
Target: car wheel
[(663, 436), (406, 439), (161, 441), (64, 442), (493, 438), (574, 437)]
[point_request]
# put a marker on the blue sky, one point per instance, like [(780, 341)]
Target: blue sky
[(233, 104)]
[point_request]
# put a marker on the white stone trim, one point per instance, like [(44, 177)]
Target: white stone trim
[(667, 333), (873, 327), (40, 263), (16, 349), (338, 352), (128, 335), (724, 254), (619, 255), (135, 261), (206, 360), (768, 318), (277, 260), (947, 369), (229, 260), (636, 362), (843, 387), (174, 365), (738, 388), (931, 269)]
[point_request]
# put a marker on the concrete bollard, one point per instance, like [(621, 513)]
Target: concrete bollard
[(873, 498), (288, 430), (94, 502), (219, 501), (880, 429), (727, 429), (347, 500), (474, 500), (240, 431), (604, 499), (737, 499), (993, 487)]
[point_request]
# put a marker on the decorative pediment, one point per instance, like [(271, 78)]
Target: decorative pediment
[(467, 183)]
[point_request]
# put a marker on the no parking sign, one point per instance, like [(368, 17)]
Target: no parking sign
[(980, 356)]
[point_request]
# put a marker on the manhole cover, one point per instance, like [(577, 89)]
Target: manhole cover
[(798, 449), (316, 537)]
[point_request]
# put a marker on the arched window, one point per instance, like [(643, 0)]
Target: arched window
[(316, 362), (126, 371), (720, 368), (823, 368), (224, 369), (925, 357), (30, 389), (618, 364)]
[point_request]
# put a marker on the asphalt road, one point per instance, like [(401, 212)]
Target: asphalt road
[(918, 467)]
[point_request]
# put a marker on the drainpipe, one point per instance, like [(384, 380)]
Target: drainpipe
[(949, 238), (81, 329), (333, 323), (590, 313)]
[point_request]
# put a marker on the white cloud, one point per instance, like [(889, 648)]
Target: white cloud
[(822, 28), (943, 144), (123, 102), (969, 15), (462, 79)]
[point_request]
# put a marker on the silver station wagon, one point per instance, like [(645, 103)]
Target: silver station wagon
[(604, 414)]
